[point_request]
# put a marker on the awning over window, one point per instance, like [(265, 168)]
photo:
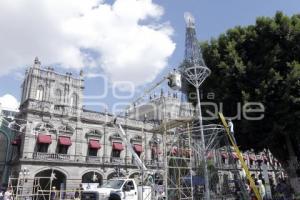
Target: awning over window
[(156, 150), (62, 140), (265, 158), (209, 155), (117, 146), (235, 155), (94, 144), (16, 141), (224, 155), (138, 148), (174, 150), (188, 152), (259, 158), (44, 139), (252, 157)]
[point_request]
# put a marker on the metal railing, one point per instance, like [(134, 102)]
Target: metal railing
[(50, 156), (41, 156), (94, 159), (117, 160)]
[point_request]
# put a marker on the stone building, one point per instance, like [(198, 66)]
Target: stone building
[(75, 144), (60, 139)]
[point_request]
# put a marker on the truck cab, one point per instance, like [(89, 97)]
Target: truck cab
[(124, 188)]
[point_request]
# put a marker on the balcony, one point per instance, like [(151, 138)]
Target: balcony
[(50, 156), (93, 160), (117, 160), (154, 163)]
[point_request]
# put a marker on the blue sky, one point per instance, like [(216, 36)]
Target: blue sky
[(213, 17)]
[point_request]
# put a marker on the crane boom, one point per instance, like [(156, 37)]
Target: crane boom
[(122, 134)]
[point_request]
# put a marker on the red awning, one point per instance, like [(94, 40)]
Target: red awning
[(265, 158), (188, 152), (259, 158), (224, 155), (94, 144), (209, 155), (117, 146), (62, 140), (156, 150), (174, 151), (252, 157), (235, 155), (16, 142), (138, 148), (44, 139)]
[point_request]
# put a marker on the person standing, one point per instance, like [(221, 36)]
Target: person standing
[(78, 192), (8, 194), (53, 194), (261, 189), (1, 195), (231, 129)]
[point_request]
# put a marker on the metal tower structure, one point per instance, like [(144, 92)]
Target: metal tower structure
[(194, 72), (192, 54)]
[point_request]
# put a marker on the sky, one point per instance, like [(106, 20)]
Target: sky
[(119, 44)]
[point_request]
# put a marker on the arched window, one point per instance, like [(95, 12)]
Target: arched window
[(39, 93), (58, 95), (65, 130), (74, 100), (45, 128)]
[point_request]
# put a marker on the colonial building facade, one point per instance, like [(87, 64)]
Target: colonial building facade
[(77, 145), (62, 142)]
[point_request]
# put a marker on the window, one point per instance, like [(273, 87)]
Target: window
[(92, 152), (94, 146), (58, 95), (74, 100), (116, 153), (138, 148), (39, 93), (223, 160), (251, 162), (130, 185), (43, 148), (62, 149)]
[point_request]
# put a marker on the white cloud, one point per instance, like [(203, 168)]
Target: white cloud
[(9, 102), (126, 39)]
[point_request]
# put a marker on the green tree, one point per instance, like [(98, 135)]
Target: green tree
[(260, 63)]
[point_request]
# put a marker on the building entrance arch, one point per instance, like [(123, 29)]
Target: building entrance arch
[(115, 175), (43, 180), (92, 178)]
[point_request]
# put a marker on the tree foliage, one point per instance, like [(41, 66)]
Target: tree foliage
[(259, 63)]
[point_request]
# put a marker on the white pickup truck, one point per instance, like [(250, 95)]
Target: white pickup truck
[(118, 189)]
